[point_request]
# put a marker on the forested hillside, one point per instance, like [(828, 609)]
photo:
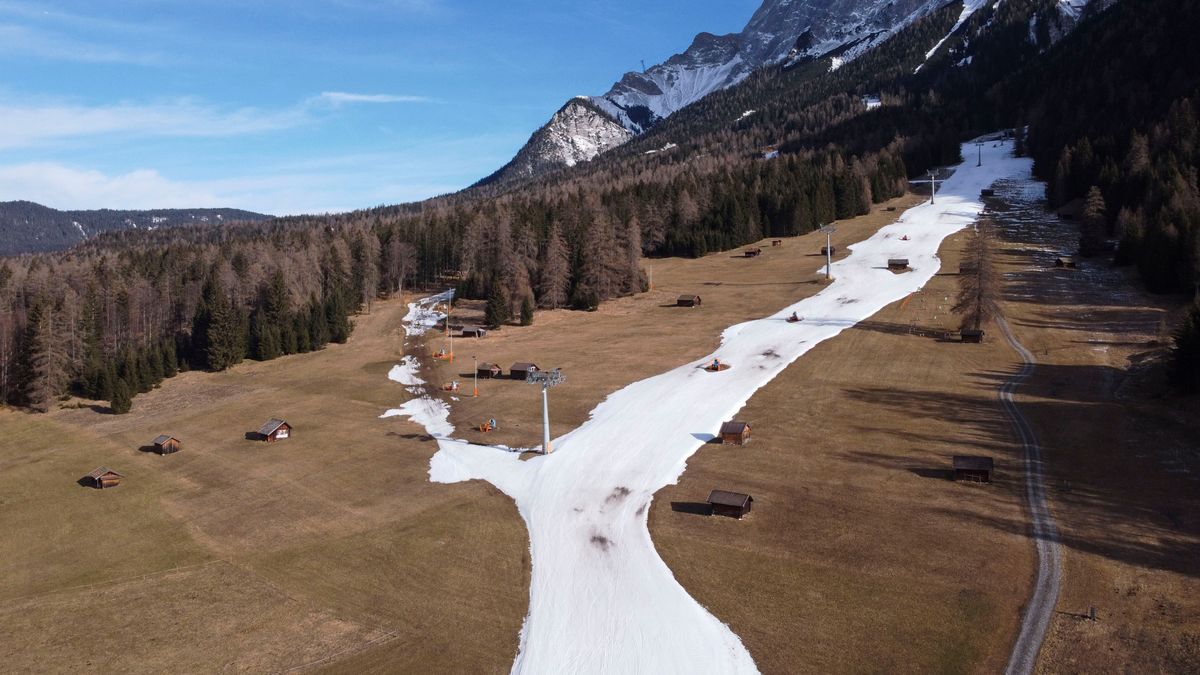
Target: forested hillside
[(26, 227), (127, 308)]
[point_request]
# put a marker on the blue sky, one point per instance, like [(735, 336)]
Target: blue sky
[(302, 106)]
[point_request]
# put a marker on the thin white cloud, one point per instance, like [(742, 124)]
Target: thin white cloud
[(65, 187), (27, 41), (31, 125), (337, 98)]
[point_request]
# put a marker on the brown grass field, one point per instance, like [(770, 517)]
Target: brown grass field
[(331, 550)]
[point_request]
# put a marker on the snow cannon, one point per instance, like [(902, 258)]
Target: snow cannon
[(716, 366)]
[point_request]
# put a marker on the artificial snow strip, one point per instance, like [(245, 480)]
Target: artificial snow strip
[(601, 600)]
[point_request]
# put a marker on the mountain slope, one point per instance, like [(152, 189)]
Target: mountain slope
[(26, 227), (786, 32)]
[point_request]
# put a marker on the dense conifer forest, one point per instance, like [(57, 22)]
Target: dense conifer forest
[(115, 315)]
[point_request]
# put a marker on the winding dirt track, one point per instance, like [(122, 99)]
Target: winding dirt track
[(1040, 608)]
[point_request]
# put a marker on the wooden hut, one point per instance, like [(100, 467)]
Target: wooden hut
[(275, 430), (735, 433), (777, 242), (165, 445), (474, 332), (897, 263), (1072, 210), (102, 477), (973, 468), (987, 192), (687, 301), (522, 370), (1065, 261), (753, 252), (972, 335), (732, 504), (488, 371), (828, 250), (967, 268)]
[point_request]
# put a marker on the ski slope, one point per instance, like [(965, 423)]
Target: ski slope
[(601, 600)]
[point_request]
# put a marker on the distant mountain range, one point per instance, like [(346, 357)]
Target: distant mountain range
[(26, 227), (782, 32)]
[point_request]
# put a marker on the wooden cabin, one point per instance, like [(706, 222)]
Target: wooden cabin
[(488, 371), (102, 477), (275, 430), (974, 468), (735, 433), (828, 250), (753, 252), (731, 504), (1065, 261), (967, 268), (987, 192), (474, 332), (165, 445), (1072, 210), (777, 242), (972, 335), (522, 370), (890, 209), (687, 301), (897, 263)]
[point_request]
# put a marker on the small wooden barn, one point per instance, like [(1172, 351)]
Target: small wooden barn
[(688, 301), (275, 430), (474, 332), (897, 263), (165, 444), (735, 433), (987, 192), (972, 335), (488, 371), (967, 268), (777, 242), (102, 477), (1072, 210), (974, 468), (828, 250), (753, 252), (1065, 261), (732, 504), (522, 370)]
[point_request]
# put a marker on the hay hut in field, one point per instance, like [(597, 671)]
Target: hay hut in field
[(753, 252), (275, 430), (897, 263), (777, 242), (488, 371), (967, 268), (973, 468), (1065, 261), (828, 250), (102, 477), (687, 301), (474, 332), (731, 504), (973, 335), (165, 444), (987, 192), (522, 370), (735, 433)]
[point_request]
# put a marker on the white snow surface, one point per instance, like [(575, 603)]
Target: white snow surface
[(601, 600)]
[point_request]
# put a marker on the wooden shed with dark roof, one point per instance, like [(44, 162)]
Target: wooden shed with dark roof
[(102, 477), (488, 371), (974, 468), (897, 263), (275, 430), (522, 370), (752, 252), (687, 301), (474, 332), (974, 335), (735, 433), (166, 444), (731, 504)]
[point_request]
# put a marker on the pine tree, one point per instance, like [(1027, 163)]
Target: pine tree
[(496, 312), (122, 399), (527, 311), (1094, 228), (555, 271), (1186, 351), (44, 360), (217, 341)]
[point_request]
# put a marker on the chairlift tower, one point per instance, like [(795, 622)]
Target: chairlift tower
[(828, 231), (475, 373), (979, 146), (933, 181), (548, 378)]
